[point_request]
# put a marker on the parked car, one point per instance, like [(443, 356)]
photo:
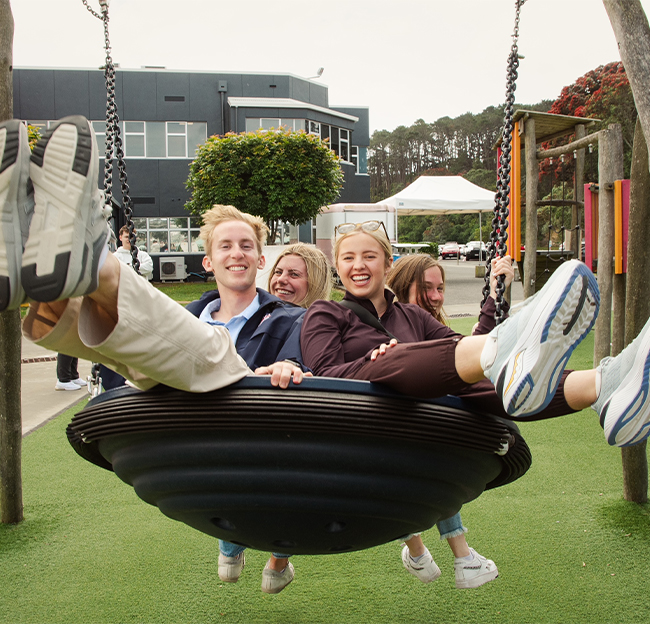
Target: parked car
[(472, 252), (450, 250)]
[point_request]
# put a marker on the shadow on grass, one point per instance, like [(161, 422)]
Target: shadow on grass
[(628, 519), (31, 534)]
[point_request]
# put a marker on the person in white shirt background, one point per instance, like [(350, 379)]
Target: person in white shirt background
[(123, 254)]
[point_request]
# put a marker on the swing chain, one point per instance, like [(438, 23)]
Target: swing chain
[(497, 247), (113, 139)]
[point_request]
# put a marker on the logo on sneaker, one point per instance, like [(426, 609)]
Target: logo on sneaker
[(515, 370)]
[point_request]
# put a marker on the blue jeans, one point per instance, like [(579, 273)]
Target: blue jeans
[(232, 550), (451, 527)]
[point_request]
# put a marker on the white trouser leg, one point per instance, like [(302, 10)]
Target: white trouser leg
[(154, 341)]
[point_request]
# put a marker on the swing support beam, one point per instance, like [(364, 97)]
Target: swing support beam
[(555, 152)]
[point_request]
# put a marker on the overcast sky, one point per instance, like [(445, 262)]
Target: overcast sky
[(404, 59)]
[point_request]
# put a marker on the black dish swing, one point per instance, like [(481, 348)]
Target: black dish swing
[(325, 467), (328, 466)]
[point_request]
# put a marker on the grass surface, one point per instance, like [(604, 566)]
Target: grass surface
[(185, 291), (568, 548), (189, 291)]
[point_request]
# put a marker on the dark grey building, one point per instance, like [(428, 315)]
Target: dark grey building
[(164, 115)]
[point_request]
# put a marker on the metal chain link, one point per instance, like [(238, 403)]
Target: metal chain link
[(497, 247), (113, 139)]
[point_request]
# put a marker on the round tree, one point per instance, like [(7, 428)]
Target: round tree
[(279, 175)]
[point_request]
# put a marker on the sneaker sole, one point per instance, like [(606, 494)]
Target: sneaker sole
[(11, 249), (478, 581), (64, 168), (530, 379), (626, 416)]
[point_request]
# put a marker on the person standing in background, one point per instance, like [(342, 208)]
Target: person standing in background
[(66, 373), (123, 254)]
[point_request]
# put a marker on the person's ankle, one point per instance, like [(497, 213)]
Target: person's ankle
[(279, 565)]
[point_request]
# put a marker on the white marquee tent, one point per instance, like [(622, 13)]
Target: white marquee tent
[(438, 195), (431, 195)]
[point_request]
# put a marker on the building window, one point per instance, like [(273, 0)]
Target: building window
[(177, 235), (324, 132), (345, 144), (176, 139), (359, 158), (270, 124), (339, 138), (253, 124), (150, 139), (334, 141), (134, 139), (197, 135)]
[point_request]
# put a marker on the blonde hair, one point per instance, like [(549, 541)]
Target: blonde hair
[(378, 235), (410, 270), (219, 214), (319, 278)]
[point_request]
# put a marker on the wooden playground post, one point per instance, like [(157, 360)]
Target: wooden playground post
[(11, 497), (532, 178), (610, 169), (637, 304), (575, 235)]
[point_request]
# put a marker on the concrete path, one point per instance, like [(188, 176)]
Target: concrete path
[(40, 401)]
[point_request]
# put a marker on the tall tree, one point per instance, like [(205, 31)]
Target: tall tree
[(632, 33), (602, 93), (11, 496)]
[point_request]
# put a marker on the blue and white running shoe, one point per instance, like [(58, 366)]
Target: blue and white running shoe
[(68, 235), (525, 356), (623, 404), (16, 209)]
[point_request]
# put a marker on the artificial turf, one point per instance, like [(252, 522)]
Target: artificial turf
[(568, 548)]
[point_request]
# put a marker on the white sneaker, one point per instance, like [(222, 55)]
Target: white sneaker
[(68, 233), (525, 356), (230, 567), (66, 385), (273, 582), (16, 209), (622, 403), (425, 569), (80, 382), (474, 573)]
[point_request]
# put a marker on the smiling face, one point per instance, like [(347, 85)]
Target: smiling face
[(234, 258), (362, 266), (434, 289), (289, 280)]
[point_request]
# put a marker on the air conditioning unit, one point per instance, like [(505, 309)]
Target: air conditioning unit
[(172, 268)]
